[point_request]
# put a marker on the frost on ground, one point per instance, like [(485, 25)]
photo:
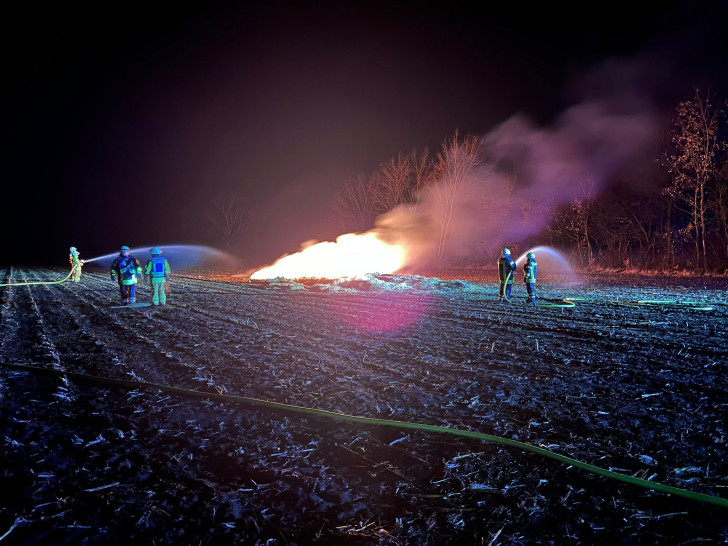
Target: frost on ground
[(631, 378)]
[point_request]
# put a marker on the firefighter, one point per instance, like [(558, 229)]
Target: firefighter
[(506, 272), (125, 269), (76, 264), (529, 277), (157, 271)]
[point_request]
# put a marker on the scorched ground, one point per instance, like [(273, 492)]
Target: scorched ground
[(639, 388)]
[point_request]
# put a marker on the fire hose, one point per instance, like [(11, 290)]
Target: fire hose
[(505, 286), (73, 269), (691, 305), (563, 303), (129, 384), (694, 305)]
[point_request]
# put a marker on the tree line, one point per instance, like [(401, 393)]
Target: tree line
[(677, 220), (674, 218)]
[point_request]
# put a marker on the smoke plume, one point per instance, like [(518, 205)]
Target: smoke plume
[(529, 171)]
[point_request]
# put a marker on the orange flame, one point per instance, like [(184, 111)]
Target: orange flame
[(352, 255)]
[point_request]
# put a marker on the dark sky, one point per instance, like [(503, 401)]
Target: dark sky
[(121, 122)]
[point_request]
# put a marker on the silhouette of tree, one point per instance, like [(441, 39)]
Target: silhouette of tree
[(400, 178), (230, 213), (397, 181), (692, 162), (455, 161), (356, 203)]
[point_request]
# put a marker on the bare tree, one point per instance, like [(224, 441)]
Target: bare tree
[(577, 229), (720, 206), (497, 202), (612, 232), (642, 219), (454, 162), (422, 170), (230, 213), (394, 183), (356, 203), (572, 225), (400, 178), (692, 163), (669, 258)]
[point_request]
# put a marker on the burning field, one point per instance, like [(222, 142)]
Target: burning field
[(624, 373)]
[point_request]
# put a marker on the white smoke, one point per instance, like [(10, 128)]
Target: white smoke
[(530, 170)]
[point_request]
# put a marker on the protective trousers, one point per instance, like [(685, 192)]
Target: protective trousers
[(159, 297), (505, 290), (128, 292)]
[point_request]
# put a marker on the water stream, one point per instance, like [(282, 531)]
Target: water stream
[(179, 256)]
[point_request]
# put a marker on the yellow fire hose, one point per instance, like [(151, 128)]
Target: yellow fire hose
[(42, 282), (655, 486)]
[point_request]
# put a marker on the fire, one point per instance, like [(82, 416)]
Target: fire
[(352, 255)]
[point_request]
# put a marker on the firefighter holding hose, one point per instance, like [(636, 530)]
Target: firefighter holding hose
[(529, 277), (506, 272), (76, 264)]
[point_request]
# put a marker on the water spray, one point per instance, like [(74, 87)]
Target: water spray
[(178, 255), (552, 253)]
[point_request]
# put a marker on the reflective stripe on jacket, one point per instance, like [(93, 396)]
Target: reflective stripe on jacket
[(529, 271), (127, 267), (506, 269)]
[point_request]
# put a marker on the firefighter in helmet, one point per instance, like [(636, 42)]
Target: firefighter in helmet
[(126, 269), (76, 264), (157, 271), (529, 277), (506, 272)]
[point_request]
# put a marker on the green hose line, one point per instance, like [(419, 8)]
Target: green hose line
[(564, 303), (505, 286), (41, 282), (691, 305), (701, 497)]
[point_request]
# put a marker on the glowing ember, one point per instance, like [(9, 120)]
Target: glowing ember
[(352, 255)]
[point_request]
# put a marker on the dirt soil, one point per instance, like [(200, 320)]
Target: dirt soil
[(632, 378)]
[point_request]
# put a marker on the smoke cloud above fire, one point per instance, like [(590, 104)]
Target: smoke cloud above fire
[(609, 135)]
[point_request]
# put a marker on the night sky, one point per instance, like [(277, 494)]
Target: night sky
[(121, 122)]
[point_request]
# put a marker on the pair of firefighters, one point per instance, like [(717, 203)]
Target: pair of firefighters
[(126, 269), (507, 270)]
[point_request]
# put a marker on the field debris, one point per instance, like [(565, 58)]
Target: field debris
[(636, 388)]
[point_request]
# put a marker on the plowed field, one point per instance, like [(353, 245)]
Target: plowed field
[(629, 375)]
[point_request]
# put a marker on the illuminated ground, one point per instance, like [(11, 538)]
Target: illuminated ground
[(641, 388)]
